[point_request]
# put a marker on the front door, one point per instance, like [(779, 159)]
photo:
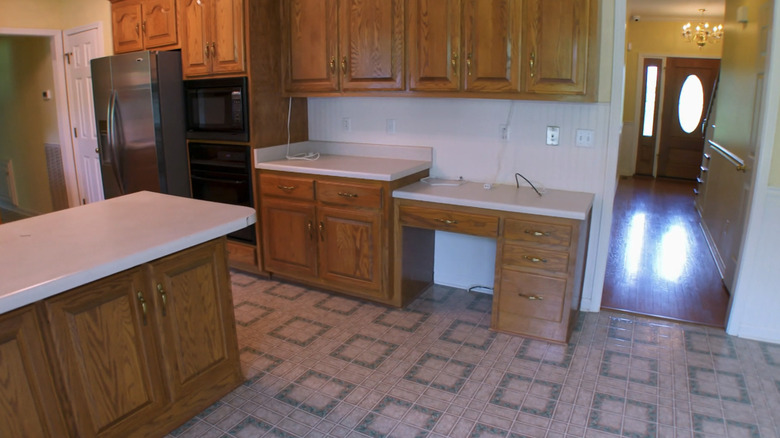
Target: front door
[(81, 45), (689, 84)]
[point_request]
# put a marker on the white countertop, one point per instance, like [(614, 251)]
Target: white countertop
[(349, 160), (48, 254), (557, 203)]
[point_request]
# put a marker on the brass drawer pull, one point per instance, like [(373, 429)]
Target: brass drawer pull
[(448, 221), (538, 233), (310, 227), (322, 231), (286, 188), (532, 297), (533, 259), (143, 305), (332, 64), (163, 297), (348, 195)]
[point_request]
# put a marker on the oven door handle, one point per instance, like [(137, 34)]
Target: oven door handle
[(219, 180)]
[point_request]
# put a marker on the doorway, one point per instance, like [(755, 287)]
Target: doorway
[(676, 97)]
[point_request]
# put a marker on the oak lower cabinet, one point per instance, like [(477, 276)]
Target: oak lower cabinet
[(540, 264), (331, 232), (144, 24), (144, 350), (28, 398)]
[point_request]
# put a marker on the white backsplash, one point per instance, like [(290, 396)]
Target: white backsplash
[(466, 139)]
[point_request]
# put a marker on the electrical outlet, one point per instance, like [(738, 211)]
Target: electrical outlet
[(390, 126), (553, 135), (584, 138), (346, 124), (503, 130)]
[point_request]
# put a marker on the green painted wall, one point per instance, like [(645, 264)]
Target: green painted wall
[(28, 120)]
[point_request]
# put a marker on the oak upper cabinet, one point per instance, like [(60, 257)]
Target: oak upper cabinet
[(144, 24), (28, 399), (558, 36), (434, 51), (213, 37), (343, 45), (104, 341)]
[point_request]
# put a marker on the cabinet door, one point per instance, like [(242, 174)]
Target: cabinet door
[(195, 312), (28, 399), (159, 23), (103, 336), (126, 26), (227, 36), (195, 47), (351, 248), (434, 45), (289, 238), (492, 45), (310, 45), (556, 41), (371, 34)]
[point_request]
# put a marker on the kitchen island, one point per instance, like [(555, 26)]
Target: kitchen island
[(117, 316)]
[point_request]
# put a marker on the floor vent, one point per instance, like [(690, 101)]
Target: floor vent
[(8, 183), (59, 193)]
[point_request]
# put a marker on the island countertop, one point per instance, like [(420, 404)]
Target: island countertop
[(48, 254)]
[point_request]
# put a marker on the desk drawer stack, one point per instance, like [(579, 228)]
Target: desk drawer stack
[(539, 276)]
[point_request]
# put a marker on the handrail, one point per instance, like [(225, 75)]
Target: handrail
[(730, 156)]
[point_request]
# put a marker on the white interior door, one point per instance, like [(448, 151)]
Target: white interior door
[(81, 45)]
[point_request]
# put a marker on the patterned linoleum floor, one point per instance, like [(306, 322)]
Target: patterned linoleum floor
[(325, 365)]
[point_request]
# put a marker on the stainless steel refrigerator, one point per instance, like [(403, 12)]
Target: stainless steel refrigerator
[(139, 110)]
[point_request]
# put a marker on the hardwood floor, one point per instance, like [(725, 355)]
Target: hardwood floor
[(659, 263)]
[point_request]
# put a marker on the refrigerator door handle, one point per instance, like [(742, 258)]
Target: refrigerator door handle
[(112, 143)]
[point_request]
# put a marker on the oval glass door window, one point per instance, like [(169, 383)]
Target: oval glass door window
[(691, 103)]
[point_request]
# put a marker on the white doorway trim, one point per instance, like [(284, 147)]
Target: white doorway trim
[(61, 103)]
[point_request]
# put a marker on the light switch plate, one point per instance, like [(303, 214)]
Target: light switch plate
[(553, 135), (584, 138)]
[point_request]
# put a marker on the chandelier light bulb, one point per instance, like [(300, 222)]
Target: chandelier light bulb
[(702, 34)]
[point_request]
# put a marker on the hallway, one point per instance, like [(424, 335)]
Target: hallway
[(659, 263)]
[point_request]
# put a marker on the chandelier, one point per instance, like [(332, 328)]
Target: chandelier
[(702, 33)]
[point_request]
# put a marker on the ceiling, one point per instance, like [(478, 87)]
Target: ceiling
[(674, 9)]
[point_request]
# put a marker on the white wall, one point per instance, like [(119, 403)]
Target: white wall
[(464, 134)]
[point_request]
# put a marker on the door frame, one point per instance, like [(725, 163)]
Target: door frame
[(99, 51), (639, 101), (61, 103)]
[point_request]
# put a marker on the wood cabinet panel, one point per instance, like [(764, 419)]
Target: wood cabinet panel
[(310, 45), (349, 194), (126, 20), (28, 398), (213, 37), (536, 258), (556, 40), (449, 220), (289, 237), (287, 187), (533, 304), (492, 45), (103, 339), (537, 232), (193, 310), (159, 23), (434, 28), (372, 44), (194, 48), (350, 248)]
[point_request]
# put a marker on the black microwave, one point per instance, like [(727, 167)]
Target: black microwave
[(217, 109)]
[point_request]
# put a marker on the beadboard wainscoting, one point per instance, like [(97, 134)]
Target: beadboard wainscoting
[(465, 135)]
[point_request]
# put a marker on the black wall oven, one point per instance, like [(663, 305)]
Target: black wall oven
[(217, 109), (223, 173)]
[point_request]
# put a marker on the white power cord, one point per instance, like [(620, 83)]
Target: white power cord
[(308, 156)]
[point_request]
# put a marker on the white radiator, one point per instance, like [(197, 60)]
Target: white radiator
[(7, 183)]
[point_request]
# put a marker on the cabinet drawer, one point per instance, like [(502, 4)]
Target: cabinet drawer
[(537, 232), (532, 257), (446, 220), (349, 194), (287, 187)]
